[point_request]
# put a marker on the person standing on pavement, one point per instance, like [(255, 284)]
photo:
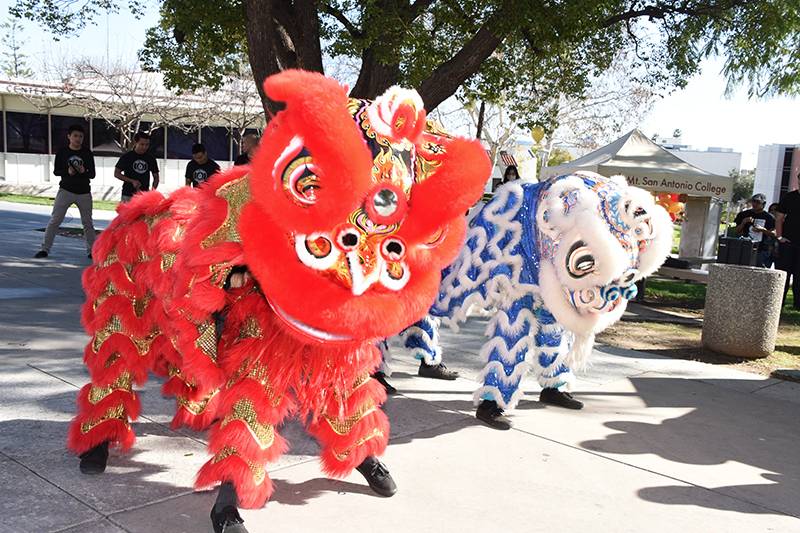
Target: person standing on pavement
[(201, 167), (249, 145), (135, 167), (75, 165), (759, 225), (787, 228)]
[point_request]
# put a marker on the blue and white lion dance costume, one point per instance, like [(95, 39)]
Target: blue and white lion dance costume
[(558, 260)]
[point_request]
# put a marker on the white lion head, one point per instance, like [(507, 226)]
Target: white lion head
[(597, 237)]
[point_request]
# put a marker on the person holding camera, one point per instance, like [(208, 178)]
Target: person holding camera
[(759, 225), (75, 165)]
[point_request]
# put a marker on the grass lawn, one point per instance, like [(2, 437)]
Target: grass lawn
[(683, 341), (105, 205)]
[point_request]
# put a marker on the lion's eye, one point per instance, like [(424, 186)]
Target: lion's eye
[(580, 261)]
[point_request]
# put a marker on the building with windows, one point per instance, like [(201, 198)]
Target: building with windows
[(720, 161), (777, 170), (36, 116)]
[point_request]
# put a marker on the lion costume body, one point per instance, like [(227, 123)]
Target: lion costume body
[(340, 221)]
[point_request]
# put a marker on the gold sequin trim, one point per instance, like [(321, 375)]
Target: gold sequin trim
[(236, 193), (109, 291), (259, 473), (219, 273), (111, 258), (195, 408), (250, 329), (140, 305), (168, 260), (245, 411), (375, 433), (114, 326), (123, 383), (151, 220), (116, 412), (207, 339), (343, 426)]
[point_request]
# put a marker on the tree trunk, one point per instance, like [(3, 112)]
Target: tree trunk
[(481, 114), (374, 77), (263, 61)]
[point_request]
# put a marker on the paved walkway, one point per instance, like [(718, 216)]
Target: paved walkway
[(662, 445)]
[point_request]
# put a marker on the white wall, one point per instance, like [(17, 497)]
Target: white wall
[(768, 171)]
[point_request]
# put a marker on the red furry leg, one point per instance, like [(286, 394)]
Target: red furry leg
[(352, 426), (246, 438)]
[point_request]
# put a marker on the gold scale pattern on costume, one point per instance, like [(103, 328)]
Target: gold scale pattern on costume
[(259, 472), (236, 193), (245, 411)]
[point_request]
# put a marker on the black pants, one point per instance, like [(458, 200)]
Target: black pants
[(789, 262)]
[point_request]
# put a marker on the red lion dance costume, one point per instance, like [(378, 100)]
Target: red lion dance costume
[(345, 218)]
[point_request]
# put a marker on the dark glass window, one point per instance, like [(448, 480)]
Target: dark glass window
[(26, 132), (105, 139), (58, 130), (217, 142), (179, 143)]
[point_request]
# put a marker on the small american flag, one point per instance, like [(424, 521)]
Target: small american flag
[(507, 158)]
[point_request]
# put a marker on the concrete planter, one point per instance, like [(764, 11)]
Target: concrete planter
[(743, 308)]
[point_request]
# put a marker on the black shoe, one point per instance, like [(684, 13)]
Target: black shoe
[(94, 461), (381, 378), (378, 476), (490, 413), (436, 371), (559, 398), (40, 254), (227, 520)]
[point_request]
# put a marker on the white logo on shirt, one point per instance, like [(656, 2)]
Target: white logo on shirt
[(140, 166), (75, 161), (200, 175)]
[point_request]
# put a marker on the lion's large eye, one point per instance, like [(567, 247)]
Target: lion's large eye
[(580, 261)]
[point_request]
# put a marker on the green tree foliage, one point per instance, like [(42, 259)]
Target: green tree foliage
[(743, 183), (525, 53), (14, 61), (558, 156)]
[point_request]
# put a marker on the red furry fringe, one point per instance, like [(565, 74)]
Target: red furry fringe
[(237, 434), (129, 400), (236, 470), (114, 431), (333, 444), (184, 417)]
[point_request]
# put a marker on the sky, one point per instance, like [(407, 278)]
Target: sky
[(701, 110)]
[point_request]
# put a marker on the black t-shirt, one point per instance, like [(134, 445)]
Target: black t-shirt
[(790, 206), (197, 174), (242, 159), (138, 167), (769, 223), (77, 183)]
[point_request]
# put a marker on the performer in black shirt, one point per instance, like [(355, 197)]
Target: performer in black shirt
[(787, 228), (200, 168), (75, 166), (135, 167), (249, 145)]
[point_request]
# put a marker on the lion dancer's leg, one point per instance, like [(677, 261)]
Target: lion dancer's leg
[(118, 315), (252, 404), (385, 368), (423, 340), (552, 372), (507, 360), (346, 416)]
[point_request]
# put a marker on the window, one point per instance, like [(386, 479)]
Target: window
[(217, 142), (105, 139), (179, 143), (58, 129), (26, 132)]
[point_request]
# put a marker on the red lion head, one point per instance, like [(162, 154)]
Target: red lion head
[(356, 207)]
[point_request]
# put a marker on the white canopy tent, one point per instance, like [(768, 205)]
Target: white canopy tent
[(649, 166)]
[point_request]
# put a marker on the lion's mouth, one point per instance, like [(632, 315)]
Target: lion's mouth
[(310, 332), (597, 300)]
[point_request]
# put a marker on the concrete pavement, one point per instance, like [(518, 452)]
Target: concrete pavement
[(662, 445)]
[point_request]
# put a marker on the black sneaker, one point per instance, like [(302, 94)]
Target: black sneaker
[(559, 398), (490, 413), (227, 520), (94, 461), (436, 371), (381, 378), (378, 476), (40, 254)]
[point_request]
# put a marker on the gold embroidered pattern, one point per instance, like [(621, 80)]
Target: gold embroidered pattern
[(123, 383), (207, 339), (168, 260), (343, 426), (343, 455), (245, 411), (143, 344), (250, 329), (259, 473), (109, 291), (116, 412), (236, 193), (195, 408), (140, 304), (219, 273), (114, 326), (111, 258)]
